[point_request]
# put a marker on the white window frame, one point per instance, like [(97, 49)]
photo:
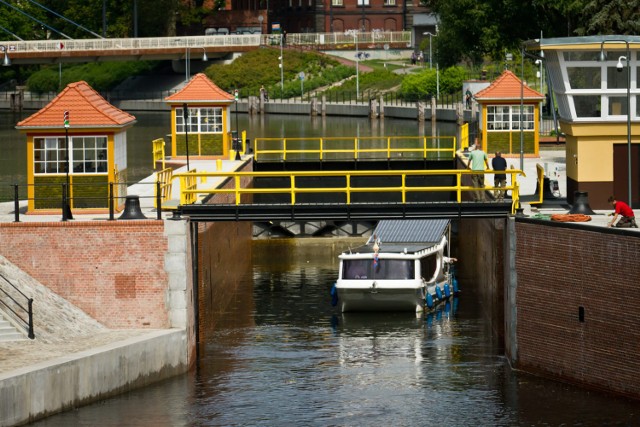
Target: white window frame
[(201, 120), (505, 118), (89, 158)]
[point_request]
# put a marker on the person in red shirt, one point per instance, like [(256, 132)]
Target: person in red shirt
[(627, 217)]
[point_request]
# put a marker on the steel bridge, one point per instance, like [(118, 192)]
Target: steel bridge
[(353, 195), (179, 48)]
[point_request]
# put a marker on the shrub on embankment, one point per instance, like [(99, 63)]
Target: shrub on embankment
[(262, 67), (101, 76)]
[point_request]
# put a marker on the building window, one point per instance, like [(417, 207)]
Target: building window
[(363, 3), (87, 154), (337, 3), (201, 120), (389, 2), (507, 117)]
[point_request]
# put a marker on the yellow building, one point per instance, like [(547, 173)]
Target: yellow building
[(206, 126), (80, 140), (500, 105), (591, 78)]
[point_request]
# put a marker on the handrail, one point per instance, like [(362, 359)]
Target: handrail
[(28, 310), (358, 147), (165, 178), (540, 174), (189, 192), (157, 151), (336, 40)]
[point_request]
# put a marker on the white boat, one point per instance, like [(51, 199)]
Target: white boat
[(402, 267)]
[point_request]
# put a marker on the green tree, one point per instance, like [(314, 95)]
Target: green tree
[(610, 17)]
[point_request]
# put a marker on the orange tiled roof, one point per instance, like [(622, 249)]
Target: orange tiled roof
[(86, 107), (507, 87), (200, 89)]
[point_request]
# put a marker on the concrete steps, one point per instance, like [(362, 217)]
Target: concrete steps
[(8, 332)]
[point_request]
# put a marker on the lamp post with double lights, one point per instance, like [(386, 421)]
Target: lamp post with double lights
[(620, 67), (6, 61), (187, 61), (430, 56)]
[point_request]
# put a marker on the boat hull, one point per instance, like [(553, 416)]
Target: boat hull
[(392, 298)]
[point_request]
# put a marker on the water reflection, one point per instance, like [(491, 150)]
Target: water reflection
[(302, 363)]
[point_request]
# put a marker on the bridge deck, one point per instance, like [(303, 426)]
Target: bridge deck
[(337, 212)]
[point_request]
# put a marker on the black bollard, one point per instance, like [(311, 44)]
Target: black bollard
[(581, 204), (132, 209)]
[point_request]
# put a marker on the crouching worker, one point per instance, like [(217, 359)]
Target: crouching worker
[(622, 210)]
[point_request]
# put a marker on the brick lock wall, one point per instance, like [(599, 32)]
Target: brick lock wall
[(113, 270), (561, 269)]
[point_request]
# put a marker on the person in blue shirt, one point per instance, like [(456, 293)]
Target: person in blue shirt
[(477, 161)]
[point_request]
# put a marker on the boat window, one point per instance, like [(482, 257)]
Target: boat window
[(428, 266), (383, 269)]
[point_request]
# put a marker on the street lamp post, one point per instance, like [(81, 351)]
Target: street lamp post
[(185, 116), (6, 61), (281, 66), (354, 33), (620, 67), (430, 56), (187, 61)]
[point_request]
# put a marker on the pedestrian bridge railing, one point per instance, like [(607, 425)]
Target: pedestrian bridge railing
[(294, 184), (355, 148)]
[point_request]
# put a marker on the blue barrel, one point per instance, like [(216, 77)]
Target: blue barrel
[(429, 300), (455, 286), (438, 292), (334, 295), (447, 290)]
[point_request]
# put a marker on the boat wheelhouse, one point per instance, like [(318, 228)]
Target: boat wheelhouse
[(402, 267)]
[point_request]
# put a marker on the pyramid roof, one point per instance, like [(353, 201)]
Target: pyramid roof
[(507, 87), (200, 89), (86, 107)]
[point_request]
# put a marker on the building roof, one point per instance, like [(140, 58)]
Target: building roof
[(200, 90), (508, 87), (405, 231), (86, 107), (584, 42)]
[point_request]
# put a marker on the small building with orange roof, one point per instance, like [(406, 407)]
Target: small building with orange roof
[(208, 119), (500, 105), (78, 138)]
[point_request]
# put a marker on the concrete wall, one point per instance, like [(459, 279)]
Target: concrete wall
[(50, 387), (563, 271)]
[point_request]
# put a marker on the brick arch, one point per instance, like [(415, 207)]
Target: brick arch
[(390, 24)]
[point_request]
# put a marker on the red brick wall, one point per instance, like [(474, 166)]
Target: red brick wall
[(560, 269), (113, 270)]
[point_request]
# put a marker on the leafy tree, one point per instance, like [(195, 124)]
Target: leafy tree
[(473, 30), (610, 17)]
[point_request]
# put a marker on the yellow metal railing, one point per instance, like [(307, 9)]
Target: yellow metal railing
[(189, 190), (464, 135), (158, 151), (165, 178), (355, 148), (540, 175)]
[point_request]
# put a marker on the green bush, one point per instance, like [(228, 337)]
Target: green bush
[(101, 76), (262, 67)]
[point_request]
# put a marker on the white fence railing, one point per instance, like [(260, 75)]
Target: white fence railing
[(363, 39)]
